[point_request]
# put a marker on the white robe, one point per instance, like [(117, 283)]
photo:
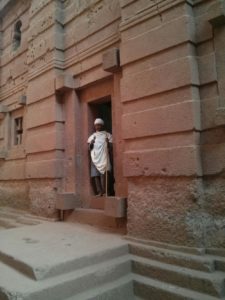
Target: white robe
[(100, 153)]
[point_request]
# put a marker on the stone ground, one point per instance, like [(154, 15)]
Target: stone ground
[(37, 255), (50, 244), (43, 260)]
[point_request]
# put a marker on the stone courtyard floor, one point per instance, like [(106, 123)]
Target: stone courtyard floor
[(49, 245), (41, 259), (45, 260)]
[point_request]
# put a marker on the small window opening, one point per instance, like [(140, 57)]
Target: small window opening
[(18, 131), (17, 35)]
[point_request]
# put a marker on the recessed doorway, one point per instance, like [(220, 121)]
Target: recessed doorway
[(102, 108)]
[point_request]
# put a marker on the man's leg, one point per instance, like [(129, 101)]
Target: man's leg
[(103, 183), (98, 185)]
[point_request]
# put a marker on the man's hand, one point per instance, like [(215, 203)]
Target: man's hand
[(93, 141)]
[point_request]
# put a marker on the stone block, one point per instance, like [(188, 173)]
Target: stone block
[(132, 8), (67, 201), (219, 115), (158, 39), (2, 154), (213, 158), (22, 100), (13, 169), (216, 13), (35, 93), (203, 29), (64, 82), (173, 161), (162, 209), (207, 69), (46, 140), (89, 25), (14, 193), (37, 6), (172, 75), (3, 108), (44, 112), (162, 120), (115, 207), (111, 60), (52, 168)]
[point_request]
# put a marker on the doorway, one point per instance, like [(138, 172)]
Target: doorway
[(102, 108)]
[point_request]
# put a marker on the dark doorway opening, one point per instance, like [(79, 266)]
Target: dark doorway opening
[(102, 108)]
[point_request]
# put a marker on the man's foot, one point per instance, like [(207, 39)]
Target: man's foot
[(98, 195)]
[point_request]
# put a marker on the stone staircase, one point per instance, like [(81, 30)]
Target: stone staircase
[(117, 269), (127, 272), (97, 218), (106, 275), (160, 273)]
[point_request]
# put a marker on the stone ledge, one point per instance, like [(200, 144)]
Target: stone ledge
[(111, 60), (115, 207), (2, 154), (64, 83), (220, 116), (3, 109), (67, 201), (216, 13), (22, 100), (4, 4)]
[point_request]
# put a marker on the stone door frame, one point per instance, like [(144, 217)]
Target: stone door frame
[(98, 93)]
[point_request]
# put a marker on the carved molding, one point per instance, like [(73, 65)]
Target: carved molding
[(150, 12)]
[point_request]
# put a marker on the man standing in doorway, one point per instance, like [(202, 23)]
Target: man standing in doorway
[(100, 145)]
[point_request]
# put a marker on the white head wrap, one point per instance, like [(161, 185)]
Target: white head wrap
[(99, 121)]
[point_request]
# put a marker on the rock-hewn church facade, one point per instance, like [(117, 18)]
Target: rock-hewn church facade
[(155, 71)]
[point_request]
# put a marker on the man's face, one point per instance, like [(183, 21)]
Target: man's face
[(98, 127)]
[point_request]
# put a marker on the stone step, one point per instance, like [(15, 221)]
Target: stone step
[(63, 267), (192, 261), (121, 289), (147, 289), (97, 203), (63, 286), (202, 282), (8, 223), (216, 252), (184, 249), (26, 221), (5, 213), (219, 262), (13, 213), (97, 218)]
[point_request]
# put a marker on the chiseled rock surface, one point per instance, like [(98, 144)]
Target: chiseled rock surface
[(71, 261)]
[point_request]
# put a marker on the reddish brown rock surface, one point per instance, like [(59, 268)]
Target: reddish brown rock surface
[(165, 99)]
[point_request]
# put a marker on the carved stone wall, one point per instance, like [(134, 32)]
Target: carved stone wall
[(168, 106)]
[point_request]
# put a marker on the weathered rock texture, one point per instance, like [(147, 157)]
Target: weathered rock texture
[(167, 99)]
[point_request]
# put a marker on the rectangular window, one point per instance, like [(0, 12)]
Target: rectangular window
[(18, 130)]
